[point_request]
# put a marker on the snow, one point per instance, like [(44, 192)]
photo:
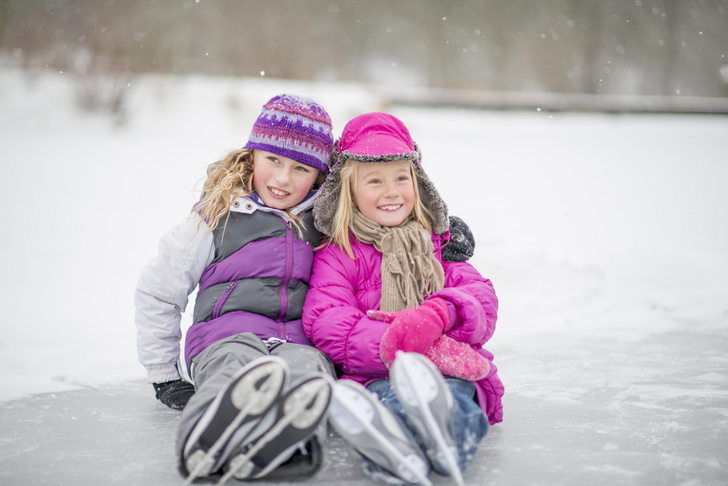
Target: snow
[(605, 237)]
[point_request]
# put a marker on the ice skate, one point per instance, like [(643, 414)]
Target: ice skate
[(427, 400), (299, 412), (236, 411), (373, 431)]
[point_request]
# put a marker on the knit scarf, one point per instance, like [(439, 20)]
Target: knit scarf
[(410, 271)]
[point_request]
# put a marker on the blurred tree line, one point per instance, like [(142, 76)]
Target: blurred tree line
[(635, 47)]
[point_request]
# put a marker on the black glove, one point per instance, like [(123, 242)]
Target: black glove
[(461, 245), (175, 393)]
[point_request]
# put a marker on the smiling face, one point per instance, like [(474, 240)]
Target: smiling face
[(279, 181), (384, 191)]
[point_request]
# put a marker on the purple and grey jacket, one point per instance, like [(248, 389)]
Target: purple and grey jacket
[(257, 281), (252, 275)]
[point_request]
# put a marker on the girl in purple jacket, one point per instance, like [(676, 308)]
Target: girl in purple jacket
[(261, 389), (396, 318)]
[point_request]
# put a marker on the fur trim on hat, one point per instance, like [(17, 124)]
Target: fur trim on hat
[(346, 155)]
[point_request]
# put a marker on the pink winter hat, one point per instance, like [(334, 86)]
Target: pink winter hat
[(373, 138), (376, 136)]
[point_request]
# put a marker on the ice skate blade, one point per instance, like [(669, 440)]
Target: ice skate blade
[(417, 383), (354, 412)]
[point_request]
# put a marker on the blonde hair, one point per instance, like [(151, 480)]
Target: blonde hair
[(229, 178), (346, 204)]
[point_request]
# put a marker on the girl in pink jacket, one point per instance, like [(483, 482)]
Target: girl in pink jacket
[(394, 317)]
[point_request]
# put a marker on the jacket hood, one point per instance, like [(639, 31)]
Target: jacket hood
[(371, 138)]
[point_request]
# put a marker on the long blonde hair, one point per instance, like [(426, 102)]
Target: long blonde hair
[(344, 211), (227, 179)]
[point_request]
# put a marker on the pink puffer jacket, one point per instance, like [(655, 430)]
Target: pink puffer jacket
[(343, 290)]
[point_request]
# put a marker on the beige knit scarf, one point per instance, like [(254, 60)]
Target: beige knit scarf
[(410, 271)]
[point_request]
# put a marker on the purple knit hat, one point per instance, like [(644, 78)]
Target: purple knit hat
[(294, 127)]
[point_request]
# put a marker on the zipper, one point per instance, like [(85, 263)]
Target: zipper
[(288, 272), (221, 300)]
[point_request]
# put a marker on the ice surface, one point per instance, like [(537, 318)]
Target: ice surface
[(605, 237)]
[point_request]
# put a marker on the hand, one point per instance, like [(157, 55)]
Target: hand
[(462, 243), (412, 330), (458, 360), (175, 393)]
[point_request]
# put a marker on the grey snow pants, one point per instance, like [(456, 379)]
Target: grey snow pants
[(213, 368)]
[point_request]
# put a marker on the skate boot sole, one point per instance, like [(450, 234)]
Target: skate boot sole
[(250, 394), (300, 411)]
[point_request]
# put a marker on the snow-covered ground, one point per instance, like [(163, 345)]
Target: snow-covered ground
[(606, 238)]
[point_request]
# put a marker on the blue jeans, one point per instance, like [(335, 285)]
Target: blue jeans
[(469, 424)]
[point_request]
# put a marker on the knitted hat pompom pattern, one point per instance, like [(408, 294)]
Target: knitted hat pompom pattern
[(295, 127)]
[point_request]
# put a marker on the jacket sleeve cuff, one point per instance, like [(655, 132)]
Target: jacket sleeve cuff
[(453, 314), (162, 373)]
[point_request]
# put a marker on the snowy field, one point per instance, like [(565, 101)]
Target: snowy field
[(606, 237)]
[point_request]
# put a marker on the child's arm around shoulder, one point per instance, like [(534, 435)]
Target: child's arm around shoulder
[(335, 321), (162, 295)]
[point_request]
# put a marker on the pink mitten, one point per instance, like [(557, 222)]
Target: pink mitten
[(458, 360), (413, 329)]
